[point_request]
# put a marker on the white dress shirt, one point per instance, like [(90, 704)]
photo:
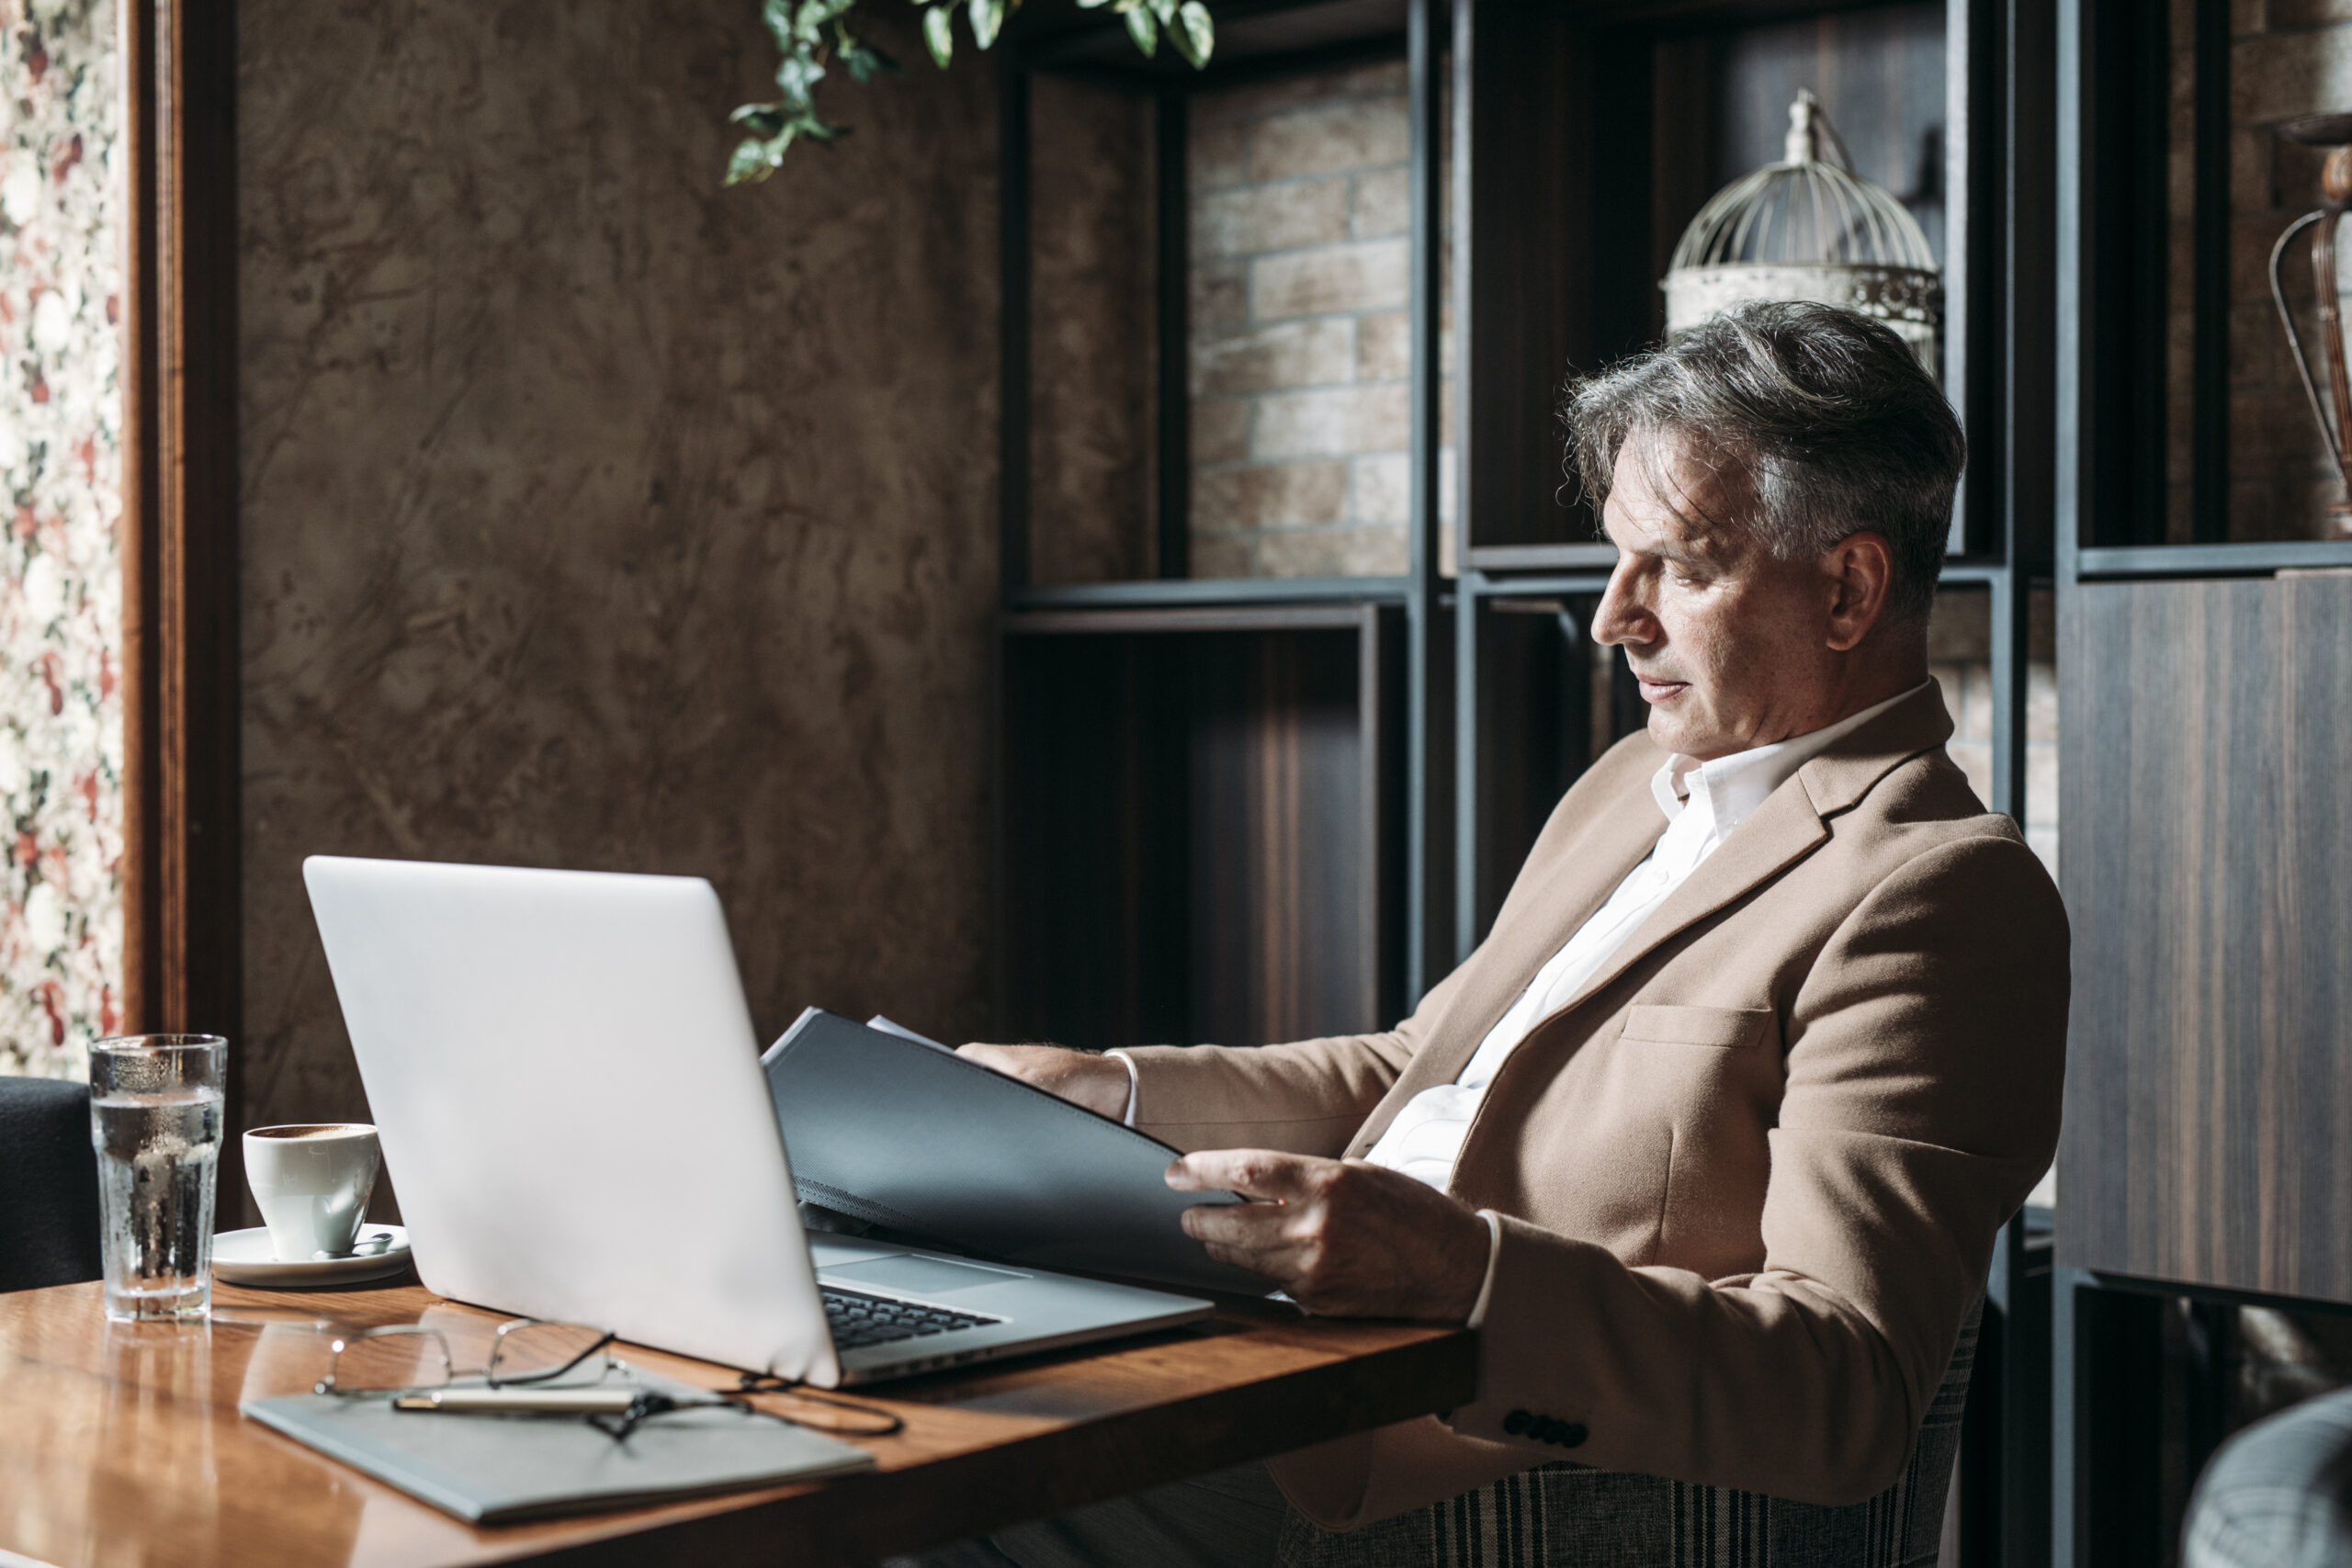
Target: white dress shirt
[(1702, 802)]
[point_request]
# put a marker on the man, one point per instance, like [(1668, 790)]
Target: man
[(1712, 1137)]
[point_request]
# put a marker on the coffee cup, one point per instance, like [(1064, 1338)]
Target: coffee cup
[(312, 1181)]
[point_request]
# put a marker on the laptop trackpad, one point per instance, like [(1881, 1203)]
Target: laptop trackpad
[(922, 1276)]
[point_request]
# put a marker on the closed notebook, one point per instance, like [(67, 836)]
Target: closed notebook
[(898, 1131), (491, 1470)]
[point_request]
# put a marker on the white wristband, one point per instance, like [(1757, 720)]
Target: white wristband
[(1494, 1247), (1128, 1117)]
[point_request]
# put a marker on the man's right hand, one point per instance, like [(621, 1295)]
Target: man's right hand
[(1098, 1083)]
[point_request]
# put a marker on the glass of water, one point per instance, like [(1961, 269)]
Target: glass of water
[(155, 1114)]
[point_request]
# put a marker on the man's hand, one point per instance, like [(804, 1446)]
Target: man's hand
[(1098, 1083), (1344, 1238)]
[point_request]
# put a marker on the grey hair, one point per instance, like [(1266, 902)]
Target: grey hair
[(1823, 418)]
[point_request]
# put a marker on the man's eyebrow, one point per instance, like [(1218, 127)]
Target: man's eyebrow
[(1661, 547)]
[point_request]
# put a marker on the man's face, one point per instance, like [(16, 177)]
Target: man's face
[(1730, 644)]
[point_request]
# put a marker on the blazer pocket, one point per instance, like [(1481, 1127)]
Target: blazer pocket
[(1724, 1027)]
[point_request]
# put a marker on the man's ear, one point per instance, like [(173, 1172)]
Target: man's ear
[(1860, 570)]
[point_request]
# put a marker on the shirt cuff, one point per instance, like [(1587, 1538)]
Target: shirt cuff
[(1129, 1118), (1494, 1251)]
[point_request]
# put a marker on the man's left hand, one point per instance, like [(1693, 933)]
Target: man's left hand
[(1344, 1238)]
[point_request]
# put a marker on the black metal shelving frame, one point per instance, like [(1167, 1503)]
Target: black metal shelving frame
[(2005, 68)]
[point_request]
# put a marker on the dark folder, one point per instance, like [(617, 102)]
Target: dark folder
[(902, 1132)]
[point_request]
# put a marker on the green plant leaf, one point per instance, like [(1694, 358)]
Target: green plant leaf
[(763, 121), (1195, 32), (755, 160), (778, 15), (863, 61), (799, 76), (987, 17), (801, 31)]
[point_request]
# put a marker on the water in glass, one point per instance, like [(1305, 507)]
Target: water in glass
[(155, 1118)]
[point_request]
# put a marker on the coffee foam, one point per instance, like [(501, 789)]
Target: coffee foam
[(304, 1134)]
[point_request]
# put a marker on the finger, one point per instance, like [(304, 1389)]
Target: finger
[(1238, 1224), (1253, 1173)]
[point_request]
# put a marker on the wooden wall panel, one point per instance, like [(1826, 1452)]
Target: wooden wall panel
[(1093, 922), (1879, 71), (1526, 168), (2206, 798), (1201, 833), (1278, 801)]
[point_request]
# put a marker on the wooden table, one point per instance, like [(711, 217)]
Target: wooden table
[(121, 1442)]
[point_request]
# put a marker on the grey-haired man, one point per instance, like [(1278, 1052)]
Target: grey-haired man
[(1712, 1137)]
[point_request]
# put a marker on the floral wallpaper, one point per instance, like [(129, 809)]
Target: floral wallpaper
[(61, 584)]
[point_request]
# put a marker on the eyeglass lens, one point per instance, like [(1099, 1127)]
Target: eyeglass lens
[(408, 1357), (531, 1351), (380, 1360)]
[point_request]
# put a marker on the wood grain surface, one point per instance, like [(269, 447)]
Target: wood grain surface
[(2207, 795), (1201, 840), (123, 1444)]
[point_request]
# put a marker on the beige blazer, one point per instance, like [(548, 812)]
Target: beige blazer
[(1751, 1175)]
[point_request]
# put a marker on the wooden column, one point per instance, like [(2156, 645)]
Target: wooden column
[(181, 922)]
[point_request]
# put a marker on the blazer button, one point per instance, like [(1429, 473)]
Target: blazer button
[(1571, 1434), (1517, 1422), (1542, 1429)]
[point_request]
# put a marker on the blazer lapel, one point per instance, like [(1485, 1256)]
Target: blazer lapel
[(1778, 834), (1789, 826)]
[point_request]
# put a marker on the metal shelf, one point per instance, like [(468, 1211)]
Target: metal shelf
[(2114, 562), (1191, 590)]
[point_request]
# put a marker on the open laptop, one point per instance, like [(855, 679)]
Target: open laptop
[(567, 1087)]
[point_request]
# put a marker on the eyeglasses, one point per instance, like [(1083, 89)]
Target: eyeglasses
[(411, 1358)]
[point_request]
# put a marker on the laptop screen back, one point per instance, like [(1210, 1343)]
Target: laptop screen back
[(567, 1085)]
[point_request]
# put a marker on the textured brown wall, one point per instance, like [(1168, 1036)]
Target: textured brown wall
[(1093, 336), (597, 516)]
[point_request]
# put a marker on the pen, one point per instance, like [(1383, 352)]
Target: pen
[(522, 1401)]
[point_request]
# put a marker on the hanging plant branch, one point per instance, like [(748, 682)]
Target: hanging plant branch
[(815, 35)]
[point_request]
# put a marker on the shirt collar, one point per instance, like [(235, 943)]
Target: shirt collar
[(1730, 787)]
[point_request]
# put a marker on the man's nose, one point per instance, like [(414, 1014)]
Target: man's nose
[(1622, 617)]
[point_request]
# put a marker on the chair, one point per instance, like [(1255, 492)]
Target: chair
[(49, 1185), (1566, 1516), (2279, 1495)]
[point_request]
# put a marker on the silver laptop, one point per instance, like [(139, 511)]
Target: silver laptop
[(568, 1089)]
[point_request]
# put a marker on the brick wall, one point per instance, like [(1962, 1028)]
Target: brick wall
[(1300, 351), (2287, 58)]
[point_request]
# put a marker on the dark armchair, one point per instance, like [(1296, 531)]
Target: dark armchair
[(49, 1184)]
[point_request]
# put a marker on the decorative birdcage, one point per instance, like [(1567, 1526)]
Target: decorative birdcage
[(1808, 229)]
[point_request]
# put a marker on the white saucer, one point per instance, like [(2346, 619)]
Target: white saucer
[(246, 1258)]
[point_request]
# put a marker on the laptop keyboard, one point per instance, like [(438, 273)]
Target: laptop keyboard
[(860, 1320)]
